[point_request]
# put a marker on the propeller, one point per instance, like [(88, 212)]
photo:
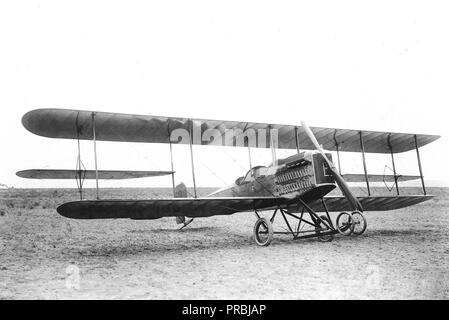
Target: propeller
[(338, 178)]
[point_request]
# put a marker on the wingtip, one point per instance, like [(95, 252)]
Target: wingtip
[(26, 119), (37, 121), (20, 173), (29, 120), (60, 210), (64, 209)]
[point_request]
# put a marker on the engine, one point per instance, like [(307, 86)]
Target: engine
[(302, 172)]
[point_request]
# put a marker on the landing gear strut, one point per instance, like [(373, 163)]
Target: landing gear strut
[(324, 236)]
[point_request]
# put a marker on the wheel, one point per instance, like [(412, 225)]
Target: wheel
[(359, 223), (263, 232), (345, 223), (321, 225)]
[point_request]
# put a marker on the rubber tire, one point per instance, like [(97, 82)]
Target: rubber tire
[(351, 229), (355, 232), (269, 226), (326, 238)]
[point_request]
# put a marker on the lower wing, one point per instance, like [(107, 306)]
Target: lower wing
[(158, 208), (371, 203), (206, 207), (175, 207)]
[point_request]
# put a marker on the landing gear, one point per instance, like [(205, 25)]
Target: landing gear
[(359, 223), (309, 224), (263, 232), (345, 224)]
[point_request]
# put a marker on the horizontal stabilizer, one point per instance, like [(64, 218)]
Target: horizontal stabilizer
[(355, 177), (88, 174), (77, 124)]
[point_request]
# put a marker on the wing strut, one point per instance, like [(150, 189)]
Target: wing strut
[(296, 140), (364, 162), (171, 159), (419, 165), (338, 152), (249, 157), (191, 157), (394, 166), (95, 154), (273, 144), (249, 150), (80, 169)]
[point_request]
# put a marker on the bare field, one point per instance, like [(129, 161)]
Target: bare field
[(403, 255)]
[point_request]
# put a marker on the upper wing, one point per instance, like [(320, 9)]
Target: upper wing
[(371, 203), (88, 174), (75, 124), (158, 208)]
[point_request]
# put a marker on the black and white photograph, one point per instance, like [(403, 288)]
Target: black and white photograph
[(224, 151)]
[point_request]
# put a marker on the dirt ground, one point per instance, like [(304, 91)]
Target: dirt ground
[(402, 255)]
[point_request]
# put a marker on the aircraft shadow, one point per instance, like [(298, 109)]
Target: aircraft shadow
[(229, 240)]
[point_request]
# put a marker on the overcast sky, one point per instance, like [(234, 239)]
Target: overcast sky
[(378, 65)]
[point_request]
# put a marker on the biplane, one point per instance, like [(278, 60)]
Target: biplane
[(296, 188)]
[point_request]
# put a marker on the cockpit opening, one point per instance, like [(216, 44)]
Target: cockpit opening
[(252, 174)]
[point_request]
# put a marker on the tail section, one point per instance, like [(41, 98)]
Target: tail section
[(180, 192)]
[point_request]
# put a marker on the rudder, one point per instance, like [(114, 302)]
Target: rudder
[(180, 192)]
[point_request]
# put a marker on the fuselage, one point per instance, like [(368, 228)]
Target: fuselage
[(288, 178)]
